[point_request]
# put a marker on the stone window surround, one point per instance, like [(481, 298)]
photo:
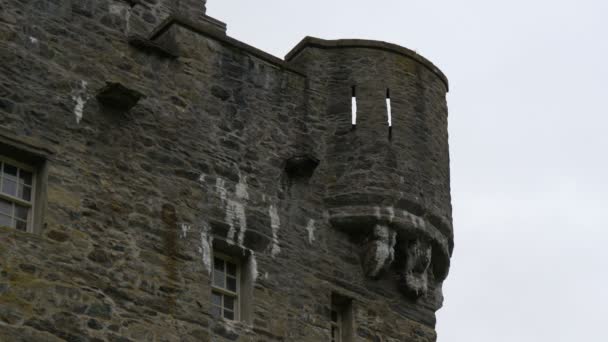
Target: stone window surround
[(336, 325), (244, 259), (224, 291), (342, 306), (17, 199), (29, 152)]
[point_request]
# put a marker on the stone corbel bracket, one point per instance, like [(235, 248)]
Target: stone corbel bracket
[(116, 96), (151, 46), (301, 166), (392, 236)]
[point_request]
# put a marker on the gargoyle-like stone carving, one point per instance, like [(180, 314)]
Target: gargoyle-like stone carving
[(414, 277), (379, 251)]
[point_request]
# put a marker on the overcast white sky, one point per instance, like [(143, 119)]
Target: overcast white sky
[(529, 83)]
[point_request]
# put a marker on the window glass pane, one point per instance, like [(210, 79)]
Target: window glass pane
[(335, 334), (6, 221), (229, 315), (334, 316), (22, 225), (216, 311), (219, 264), (216, 299), (231, 284), (219, 279), (21, 212), (6, 207), (231, 269), (229, 303), (25, 192), (25, 177), (10, 171), (9, 187)]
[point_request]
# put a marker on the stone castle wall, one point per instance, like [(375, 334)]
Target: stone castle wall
[(163, 139)]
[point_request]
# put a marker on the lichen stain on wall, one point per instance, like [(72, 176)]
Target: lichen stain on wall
[(234, 205), (80, 97), (275, 225), (310, 228), (206, 247)]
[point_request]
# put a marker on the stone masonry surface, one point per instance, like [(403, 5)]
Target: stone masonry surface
[(164, 141)]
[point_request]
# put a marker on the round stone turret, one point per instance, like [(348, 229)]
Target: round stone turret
[(387, 171)]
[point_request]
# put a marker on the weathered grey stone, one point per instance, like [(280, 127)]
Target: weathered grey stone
[(231, 149)]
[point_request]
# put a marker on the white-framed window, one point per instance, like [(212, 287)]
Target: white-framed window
[(225, 288), (336, 325), (17, 189)]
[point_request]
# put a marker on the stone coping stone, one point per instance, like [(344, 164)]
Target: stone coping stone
[(365, 44)]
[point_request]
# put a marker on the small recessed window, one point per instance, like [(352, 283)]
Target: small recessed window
[(225, 288), (17, 189)]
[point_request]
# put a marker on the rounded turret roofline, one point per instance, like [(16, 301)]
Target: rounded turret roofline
[(366, 44)]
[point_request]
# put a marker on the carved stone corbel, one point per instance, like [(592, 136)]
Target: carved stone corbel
[(379, 251), (414, 278)]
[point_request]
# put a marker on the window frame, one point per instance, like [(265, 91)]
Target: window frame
[(31, 205), (223, 291), (342, 306), (337, 324)]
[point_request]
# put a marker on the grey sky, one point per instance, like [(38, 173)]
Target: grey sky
[(529, 167)]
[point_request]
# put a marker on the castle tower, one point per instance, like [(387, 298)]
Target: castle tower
[(387, 181), (162, 181)]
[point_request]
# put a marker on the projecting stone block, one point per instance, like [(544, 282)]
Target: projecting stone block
[(117, 96), (150, 46), (301, 166)]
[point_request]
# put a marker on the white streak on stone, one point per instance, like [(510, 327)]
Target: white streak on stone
[(220, 188), (205, 248), (128, 20), (391, 213), (235, 210), (116, 9), (241, 189), (253, 267), (242, 195), (383, 252), (80, 98), (392, 244), (235, 218), (185, 229), (275, 225), (311, 230)]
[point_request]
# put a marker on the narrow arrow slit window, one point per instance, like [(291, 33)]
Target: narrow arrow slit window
[(354, 106)]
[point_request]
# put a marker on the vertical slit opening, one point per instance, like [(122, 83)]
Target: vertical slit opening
[(389, 114), (354, 107)]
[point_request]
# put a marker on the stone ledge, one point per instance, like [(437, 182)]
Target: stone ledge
[(145, 44), (26, 148), (365, 44), (358, 220)]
